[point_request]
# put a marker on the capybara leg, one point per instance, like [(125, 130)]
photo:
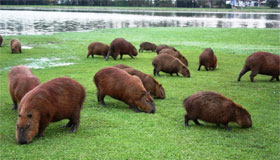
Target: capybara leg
[(42, 127), (277, 78), (158, 73), (20, 51), (154, 71), (252, 75), (130, 55), (88, 55), (134, 107), (75, 121), (199, 67), (69, 124), (206, 68), (227, 127), (100, 98), (217, 124), (15, 106), (177, 74), (121, 56), (272, 78), (243, 71), (196, 122), (171, 74), (186, 120), (92, 56)]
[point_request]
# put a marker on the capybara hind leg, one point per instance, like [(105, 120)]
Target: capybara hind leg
[(243, 71), (186, 120), (206, 68), (277, 78), (196, 122), (92, 55), (121, 56), (177, 74), (171, 74), (252, 75), (227, 127), (15, 106), (199, 67), (75, 121), (100, 98), (134, 107)]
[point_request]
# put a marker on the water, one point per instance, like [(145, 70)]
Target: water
[(42, 22)]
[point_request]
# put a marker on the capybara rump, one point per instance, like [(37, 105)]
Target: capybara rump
[(207, 59)]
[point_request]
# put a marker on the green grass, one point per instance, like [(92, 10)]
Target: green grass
[(108, 8), (116, 132)]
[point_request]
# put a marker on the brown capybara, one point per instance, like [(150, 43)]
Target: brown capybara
[(20, 81), (1, 40), (97, 48), (208, 59), (147, 46), (215, 108), (169, 64), (120, 85), (150, 84), (121, 66), (120, 46), (262, 63), (15, 46), (175, 54), (55, 100), (163, 46)]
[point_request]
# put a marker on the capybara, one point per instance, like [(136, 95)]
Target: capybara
[(163, 46), (20, 80), (169, 64), (175, 54), (121, 66), (120, 85), (215, 108), (147, 46), (208, 59), (1, 40), (15, 46), (150, 84), (121, 46), (97, 48), (262, 63), (55, 100)]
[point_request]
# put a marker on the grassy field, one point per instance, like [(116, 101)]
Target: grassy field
[(115, 131)]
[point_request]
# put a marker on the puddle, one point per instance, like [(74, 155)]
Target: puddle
[(26, 47)]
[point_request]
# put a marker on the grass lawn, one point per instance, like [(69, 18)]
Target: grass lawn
[(115, 131)]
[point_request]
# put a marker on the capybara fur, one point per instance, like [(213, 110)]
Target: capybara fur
[(150, 84), (120, 85), (147, 46), (121, 66), (215, 108), (120, 46), (97, 48), (55, 100), (169, 64), (15, 46), (262, 63), (208, 59), (1, 40), (175, 54), (164, 46), (20, 81)]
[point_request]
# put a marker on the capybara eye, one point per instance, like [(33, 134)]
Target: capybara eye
[(29, 115)]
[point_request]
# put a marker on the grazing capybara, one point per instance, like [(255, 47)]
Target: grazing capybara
[(175, 54), (215, 108), (169, 64), (120, 85), (262, 63), (20, 81), (15, 46), (121, 46), (97, 48), (147, 46), (1, 40), (55, 100), (208, 59), (150, 84), (163, 46)]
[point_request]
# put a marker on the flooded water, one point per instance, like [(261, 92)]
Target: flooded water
[(42, 22)]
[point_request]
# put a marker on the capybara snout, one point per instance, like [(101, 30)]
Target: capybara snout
[(147, 103)]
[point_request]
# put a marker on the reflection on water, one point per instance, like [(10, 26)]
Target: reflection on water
[(39, 22)]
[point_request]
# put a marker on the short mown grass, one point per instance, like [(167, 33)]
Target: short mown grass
[(115, 131)]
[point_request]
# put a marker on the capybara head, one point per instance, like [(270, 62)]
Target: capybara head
[(185, 71), (160, 93), (146, 103), (27, 126), (243, 118), (133, 50)]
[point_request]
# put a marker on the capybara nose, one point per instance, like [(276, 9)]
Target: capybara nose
[(153, 111), (22, 142)]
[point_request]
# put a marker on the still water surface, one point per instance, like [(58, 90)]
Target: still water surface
[(47, 22)]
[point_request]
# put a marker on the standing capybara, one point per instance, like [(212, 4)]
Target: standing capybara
[(15, 46), (120, 85), (262, 63), (164, 46), (175, 54), (121, 46), (57, 99), (208, 59), (1, 40), (147, 46), (169, 64), (21, 80), (97, 48), (215, 108), (150, 84)]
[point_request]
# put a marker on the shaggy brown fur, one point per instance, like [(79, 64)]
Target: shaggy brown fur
[(120, 85), (97, 48), (15, 46), (262, 63), (121, 66), (215, 108), (169, 64), (147, 46), (121, 46), (57, 99), (164, 46), (148, 81), (21, 80), (208, 59), (1, 40), (175, 54)]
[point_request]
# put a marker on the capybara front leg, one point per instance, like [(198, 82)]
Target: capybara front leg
[(196, 122), (121, 56), (130, 55), (227, 127), (206, 68), (92, 55), (186, 120), (252, 75), (134, 107), (154, 71), (75, 122), (15, 106), (243, 71), (171, 74), (177, 74), (42, 127)]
